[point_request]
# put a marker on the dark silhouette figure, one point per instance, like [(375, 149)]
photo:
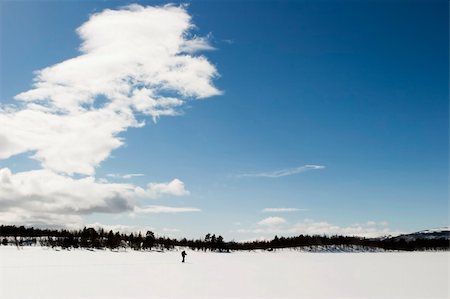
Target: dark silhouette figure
[(183, 254)]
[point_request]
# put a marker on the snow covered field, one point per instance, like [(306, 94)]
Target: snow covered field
[(35, 272)]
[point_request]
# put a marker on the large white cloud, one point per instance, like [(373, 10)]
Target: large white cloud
[(133, 60), (64, 143), (45, 197)]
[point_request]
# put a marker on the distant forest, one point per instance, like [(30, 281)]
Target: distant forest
[(91, 238)]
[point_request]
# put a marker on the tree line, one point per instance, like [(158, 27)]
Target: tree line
[(92, 238)]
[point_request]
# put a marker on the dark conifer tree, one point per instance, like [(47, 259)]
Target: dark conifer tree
[(149, 240), (138, 241), (220, 243), (110, 240)]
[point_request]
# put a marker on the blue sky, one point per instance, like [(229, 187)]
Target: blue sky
[(359, 89)]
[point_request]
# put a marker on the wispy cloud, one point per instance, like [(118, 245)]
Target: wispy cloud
[(164, 209), (124, 176), (272, 221), (132, 175), (282, 210), (282, 172)]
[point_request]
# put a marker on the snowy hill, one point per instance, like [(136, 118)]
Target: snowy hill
[(429, 234)]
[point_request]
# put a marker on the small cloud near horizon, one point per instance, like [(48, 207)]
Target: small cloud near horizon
[(273, 226), (272, 221)]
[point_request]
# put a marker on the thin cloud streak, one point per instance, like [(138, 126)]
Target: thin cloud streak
[(272, 221), (164, 209), (282, 172), (125, 176), (283, 210)]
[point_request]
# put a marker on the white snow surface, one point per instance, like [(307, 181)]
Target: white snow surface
[(36, 272)]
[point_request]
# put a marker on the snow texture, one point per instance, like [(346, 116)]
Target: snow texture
[(36, 272)]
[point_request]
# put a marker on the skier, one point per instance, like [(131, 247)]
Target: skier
[(183, 254)]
